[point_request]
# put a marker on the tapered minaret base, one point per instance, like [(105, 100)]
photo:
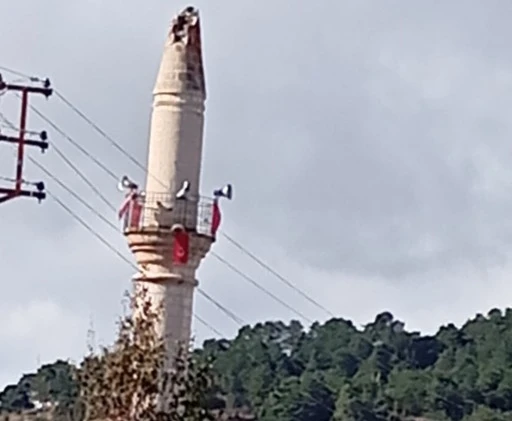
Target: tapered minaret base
[(170, 287)]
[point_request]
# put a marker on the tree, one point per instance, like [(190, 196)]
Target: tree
[(133, 380), (407, 391), (483, 413), (283, 372)]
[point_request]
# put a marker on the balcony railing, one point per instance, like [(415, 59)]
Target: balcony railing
[(152, 211)]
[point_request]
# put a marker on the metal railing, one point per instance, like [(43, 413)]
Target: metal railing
[(151, 211)]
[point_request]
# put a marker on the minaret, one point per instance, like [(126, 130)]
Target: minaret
[(164, 222)]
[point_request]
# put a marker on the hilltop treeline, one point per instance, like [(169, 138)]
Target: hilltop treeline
[(336, 372)]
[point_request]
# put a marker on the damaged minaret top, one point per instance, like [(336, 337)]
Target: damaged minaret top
[(182, 63), (176, 138)]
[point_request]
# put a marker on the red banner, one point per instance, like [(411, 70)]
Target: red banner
[(180, 248), (215, 218), (131, 210), (135, 214)]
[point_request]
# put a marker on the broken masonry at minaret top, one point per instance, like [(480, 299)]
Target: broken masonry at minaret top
[(181, 70)]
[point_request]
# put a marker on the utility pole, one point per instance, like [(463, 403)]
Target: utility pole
[(21, 140)]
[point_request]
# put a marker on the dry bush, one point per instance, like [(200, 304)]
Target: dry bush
[(133, 381)]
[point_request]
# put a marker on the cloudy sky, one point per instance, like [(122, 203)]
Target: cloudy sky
[(369, 143)]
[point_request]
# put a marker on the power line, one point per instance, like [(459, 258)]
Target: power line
[(260, 287), (208, 325), (275, 273), (102, 133), (6, 121), (75, 143), (84, 178), (231, 315), (88, 227), (17, 73), (12, 180), (75, 195)]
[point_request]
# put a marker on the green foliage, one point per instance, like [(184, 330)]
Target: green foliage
[(50, 384), (333, 372), (133, 379)]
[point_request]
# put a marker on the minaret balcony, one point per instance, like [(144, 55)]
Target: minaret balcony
[(151, 212)]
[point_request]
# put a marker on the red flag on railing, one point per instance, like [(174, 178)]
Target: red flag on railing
[(135, 214), (216, 217), (125, 206), (227, 192), (180, 247), (131, 209)]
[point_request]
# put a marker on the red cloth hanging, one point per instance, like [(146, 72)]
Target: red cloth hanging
[(180, 250), (216, 217), (131, 209), (125, 206), (135, 214)]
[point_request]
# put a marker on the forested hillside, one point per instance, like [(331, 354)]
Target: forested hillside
[(333, 371)]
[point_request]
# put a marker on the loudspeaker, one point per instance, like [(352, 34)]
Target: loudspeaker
[(126, 183), (226, 191), (182, 193)]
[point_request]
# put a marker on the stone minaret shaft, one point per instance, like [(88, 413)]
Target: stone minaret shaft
[(175, 150)]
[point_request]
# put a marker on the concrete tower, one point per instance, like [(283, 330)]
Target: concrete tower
[(174, 161)]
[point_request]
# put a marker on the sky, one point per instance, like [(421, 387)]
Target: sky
[(369, 144)]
